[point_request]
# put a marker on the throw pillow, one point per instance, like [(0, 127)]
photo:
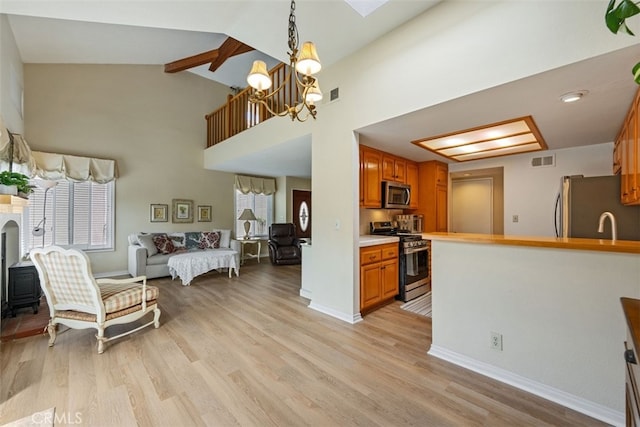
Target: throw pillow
[(163, 243), (192, 240), (209, 240), (178, 240), (225, 238), (146, 241)]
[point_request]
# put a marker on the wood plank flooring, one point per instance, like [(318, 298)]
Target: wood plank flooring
[(247, 351)]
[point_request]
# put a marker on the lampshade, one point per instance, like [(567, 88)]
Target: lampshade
[(258, 77), (247, 215), (314, 94), (308, 61)]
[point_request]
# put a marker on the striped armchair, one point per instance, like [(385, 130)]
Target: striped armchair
[(79, 301)]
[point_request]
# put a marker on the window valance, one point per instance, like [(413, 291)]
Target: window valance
[(74, 168), (252, 184)]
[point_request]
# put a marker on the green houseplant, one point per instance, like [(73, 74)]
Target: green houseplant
[(19, 180), (615, 18)]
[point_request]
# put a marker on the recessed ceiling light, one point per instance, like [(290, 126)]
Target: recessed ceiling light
[(498, 139), (573, 96)]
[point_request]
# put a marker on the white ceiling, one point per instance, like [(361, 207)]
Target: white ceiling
[(157, 32)]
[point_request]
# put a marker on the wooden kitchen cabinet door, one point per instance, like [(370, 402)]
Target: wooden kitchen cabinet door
[(441, 208), (389, 276), (370, 285), (394, 169), (371, 174), (413, 180)]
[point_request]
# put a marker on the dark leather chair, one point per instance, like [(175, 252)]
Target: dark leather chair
[(284, 246)]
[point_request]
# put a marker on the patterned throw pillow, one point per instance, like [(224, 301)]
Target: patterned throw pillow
[(163, 243), (209, 240), (177, 239), (192, 240)]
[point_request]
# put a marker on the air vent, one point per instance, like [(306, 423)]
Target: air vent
[(335, 94), (543, 161)]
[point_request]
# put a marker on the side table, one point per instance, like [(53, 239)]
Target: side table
[(243, 253), (24, 287)]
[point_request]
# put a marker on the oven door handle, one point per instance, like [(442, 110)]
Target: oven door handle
[(408, 251)]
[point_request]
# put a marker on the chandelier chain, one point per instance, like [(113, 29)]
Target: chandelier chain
[(293, 29)]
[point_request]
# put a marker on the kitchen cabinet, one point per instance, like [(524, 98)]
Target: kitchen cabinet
[(626, 155), (378, 275), (413, 180), (433, 195), (631, 310), (393, 168), (377, 166), (370, 177)]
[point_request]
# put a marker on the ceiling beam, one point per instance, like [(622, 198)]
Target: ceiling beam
[(230, 47)]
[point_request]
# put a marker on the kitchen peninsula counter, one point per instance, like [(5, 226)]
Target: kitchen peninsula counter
[(369, 240), (553, 303), (604, 245)]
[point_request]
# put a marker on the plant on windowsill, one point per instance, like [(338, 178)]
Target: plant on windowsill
[(616, 17), (15, 183)]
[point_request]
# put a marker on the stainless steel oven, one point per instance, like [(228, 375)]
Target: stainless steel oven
[(415, 277)]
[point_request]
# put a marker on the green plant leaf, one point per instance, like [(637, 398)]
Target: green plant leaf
[(615, 16), (636, 73)]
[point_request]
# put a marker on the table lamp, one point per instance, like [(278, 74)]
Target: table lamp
[(247, 215)]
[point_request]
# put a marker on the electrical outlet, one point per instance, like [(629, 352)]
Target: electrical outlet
[(496, 341), (515, 218)]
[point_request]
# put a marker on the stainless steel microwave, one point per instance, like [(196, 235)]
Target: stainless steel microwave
[(395, 195)]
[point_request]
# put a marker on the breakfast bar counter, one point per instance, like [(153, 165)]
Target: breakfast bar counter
[(604, 245), (539, 313)]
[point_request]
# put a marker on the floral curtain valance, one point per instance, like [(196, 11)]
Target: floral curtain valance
[(252, 184), (74, 168)]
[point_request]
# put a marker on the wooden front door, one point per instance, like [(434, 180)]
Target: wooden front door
[(301, 215)]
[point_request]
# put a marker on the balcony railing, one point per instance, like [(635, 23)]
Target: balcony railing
[(238, 114)]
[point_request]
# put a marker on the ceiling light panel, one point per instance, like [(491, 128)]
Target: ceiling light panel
[(498, 139)]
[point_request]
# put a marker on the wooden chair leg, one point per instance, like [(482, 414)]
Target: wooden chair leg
[(101, 339), (156, 318), (51, 329)]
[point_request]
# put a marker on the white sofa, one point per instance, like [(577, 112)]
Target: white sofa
[(145, 260)]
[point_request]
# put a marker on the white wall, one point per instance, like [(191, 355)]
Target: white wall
[(455, 49), (530, 192), (11, 79), (150, 122), (558, 311)]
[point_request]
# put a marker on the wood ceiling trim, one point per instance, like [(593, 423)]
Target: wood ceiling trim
[(230, 47)]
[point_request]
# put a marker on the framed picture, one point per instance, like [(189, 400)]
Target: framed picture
[(204, 213), (158, 213), (182, 210)]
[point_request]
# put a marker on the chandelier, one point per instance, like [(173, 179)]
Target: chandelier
[(301, 70)]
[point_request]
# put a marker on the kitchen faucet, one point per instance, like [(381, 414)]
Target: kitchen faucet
[(614, 231)]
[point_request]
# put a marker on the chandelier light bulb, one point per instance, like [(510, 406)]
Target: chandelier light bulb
[(314, 94), (308, 61), (258, 77)]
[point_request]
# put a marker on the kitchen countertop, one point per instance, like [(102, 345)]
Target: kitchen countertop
[(369, 240), (603, 245)]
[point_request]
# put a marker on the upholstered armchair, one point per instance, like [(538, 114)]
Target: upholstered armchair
[(79, 301), (284, 246)]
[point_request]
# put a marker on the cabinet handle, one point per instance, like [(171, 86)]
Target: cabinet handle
[(630, 357)]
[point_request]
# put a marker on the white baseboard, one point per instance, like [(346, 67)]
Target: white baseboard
[(337, 314), (304, 293), (560, 397)]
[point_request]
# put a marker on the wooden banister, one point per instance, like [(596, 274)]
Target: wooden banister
[(238, 114)]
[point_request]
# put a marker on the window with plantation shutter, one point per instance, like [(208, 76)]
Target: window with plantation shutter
[(262, 206), (78, 214)]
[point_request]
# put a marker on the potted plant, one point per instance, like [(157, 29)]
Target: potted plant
[(615, 18), (14, 183)]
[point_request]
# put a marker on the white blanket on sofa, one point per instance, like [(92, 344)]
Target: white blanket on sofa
[(188, 265)]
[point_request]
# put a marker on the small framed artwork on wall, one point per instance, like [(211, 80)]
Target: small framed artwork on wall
[(158, 213), (182, 210), (204, 213)]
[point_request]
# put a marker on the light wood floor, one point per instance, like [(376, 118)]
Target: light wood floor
[(247, 351)]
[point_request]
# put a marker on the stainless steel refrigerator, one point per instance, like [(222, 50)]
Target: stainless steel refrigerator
[(581, 201)]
